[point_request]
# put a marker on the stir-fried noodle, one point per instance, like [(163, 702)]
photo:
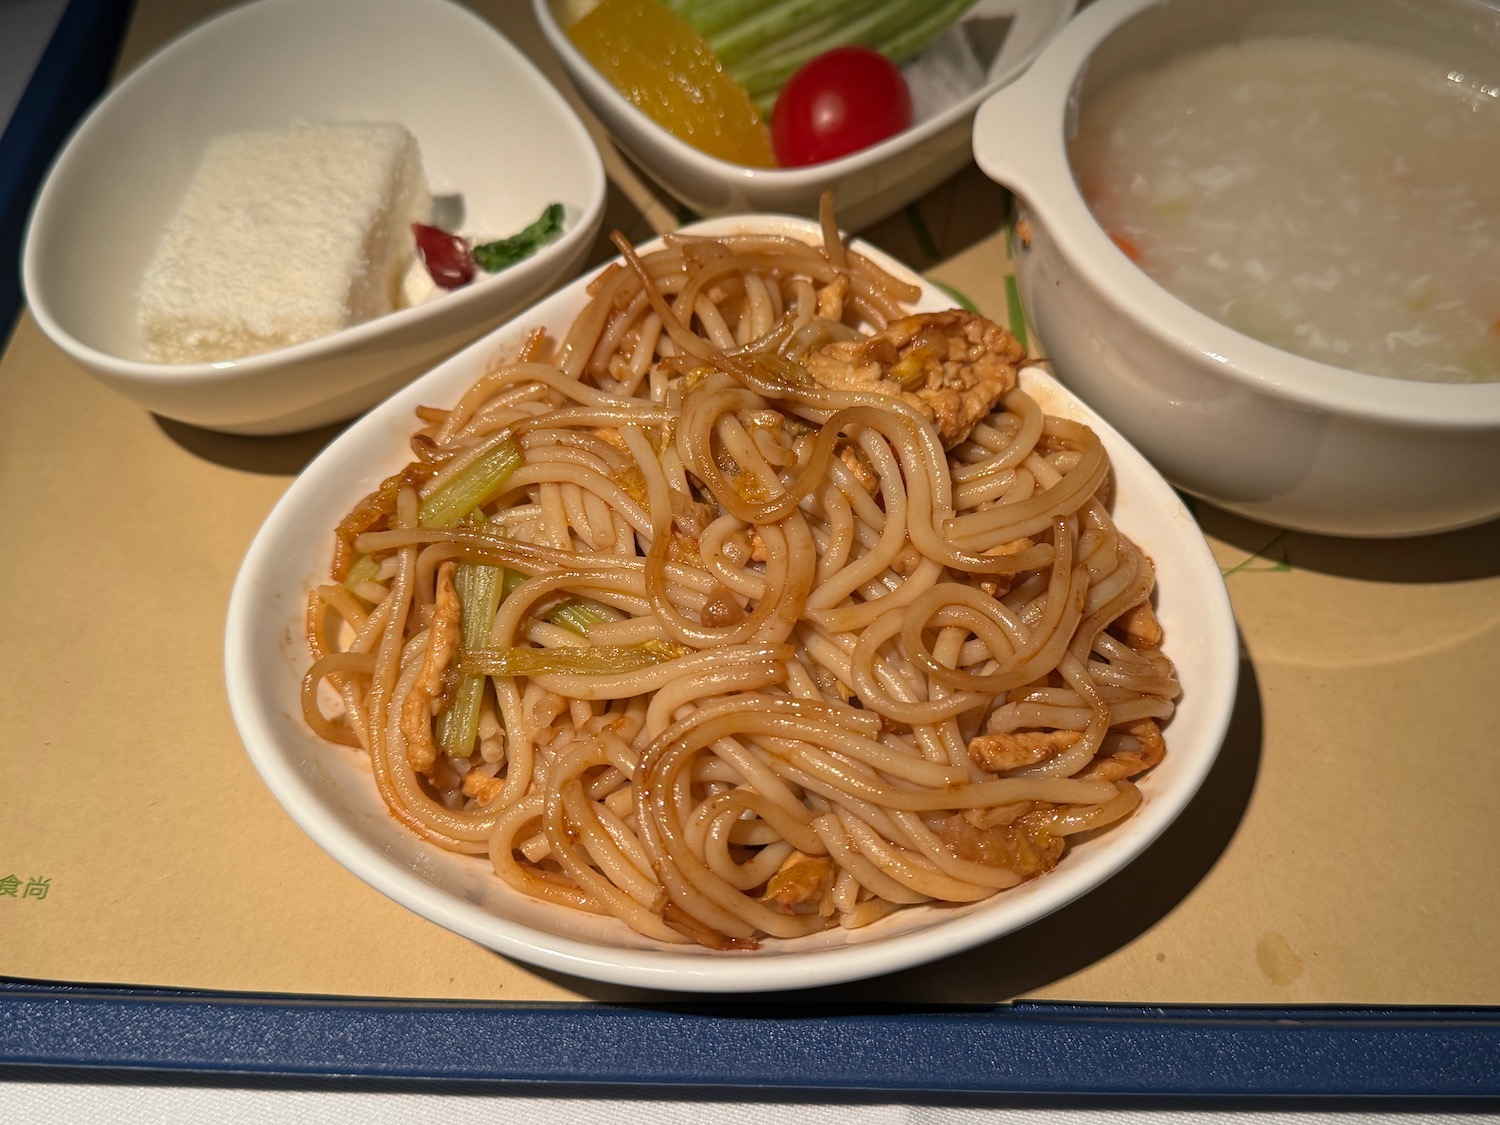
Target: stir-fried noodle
[(752, 607)]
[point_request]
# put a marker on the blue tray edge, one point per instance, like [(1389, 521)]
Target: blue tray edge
[(1023, 1048)]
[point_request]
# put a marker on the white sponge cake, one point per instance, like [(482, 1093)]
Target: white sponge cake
[(284, 236)]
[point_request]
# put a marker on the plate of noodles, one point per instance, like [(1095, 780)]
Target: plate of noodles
[(803, 636)]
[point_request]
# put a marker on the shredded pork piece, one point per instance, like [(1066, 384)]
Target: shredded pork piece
[(1014, 749), (860, 467), (689, 517), (1013, 547), (1140, 626), (721, 608), (482, 787), (801, 885), (831, 299), (1129, 754), (1025, 846), (998, 585), (417, 707), (953, 367)]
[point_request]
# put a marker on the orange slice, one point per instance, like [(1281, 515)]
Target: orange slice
[(664, 67)]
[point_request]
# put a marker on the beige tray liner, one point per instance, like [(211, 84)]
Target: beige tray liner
[(1341, 853)]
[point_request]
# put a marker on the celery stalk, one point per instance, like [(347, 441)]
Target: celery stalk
[(578, 614), (594, 660), (513, 578), (480, 589), (472, 486), (363, 569)]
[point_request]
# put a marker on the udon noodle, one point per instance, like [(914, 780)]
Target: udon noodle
[(753, 606)]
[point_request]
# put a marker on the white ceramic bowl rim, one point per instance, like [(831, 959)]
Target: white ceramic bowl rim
[(1019, 140), (576, 226), (813, 174), (264, 666)]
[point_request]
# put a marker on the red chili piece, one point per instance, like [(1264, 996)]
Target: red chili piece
[(446, 256)]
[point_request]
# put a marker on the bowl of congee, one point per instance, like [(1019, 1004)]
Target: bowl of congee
[(1262, 238)]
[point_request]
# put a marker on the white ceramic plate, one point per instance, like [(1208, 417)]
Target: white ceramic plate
[(491, 129), (330, 792)]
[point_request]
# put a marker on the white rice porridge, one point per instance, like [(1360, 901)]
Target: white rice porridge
[(1337, 200)]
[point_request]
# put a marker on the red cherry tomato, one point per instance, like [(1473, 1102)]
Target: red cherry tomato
[(839, 102)]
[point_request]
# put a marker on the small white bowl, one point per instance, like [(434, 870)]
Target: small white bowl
[(490, 127), (869, 184), (330, 792), (1259, 431)]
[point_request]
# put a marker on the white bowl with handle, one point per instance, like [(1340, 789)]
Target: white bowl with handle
[(1264, 433)]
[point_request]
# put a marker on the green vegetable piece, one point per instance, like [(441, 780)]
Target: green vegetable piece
[(927, 23), (513, 578), (472, 486), (458, 726), (492, 257), (578, 614), (585, 660), (782, 24), (480, 588), (363, 569)]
